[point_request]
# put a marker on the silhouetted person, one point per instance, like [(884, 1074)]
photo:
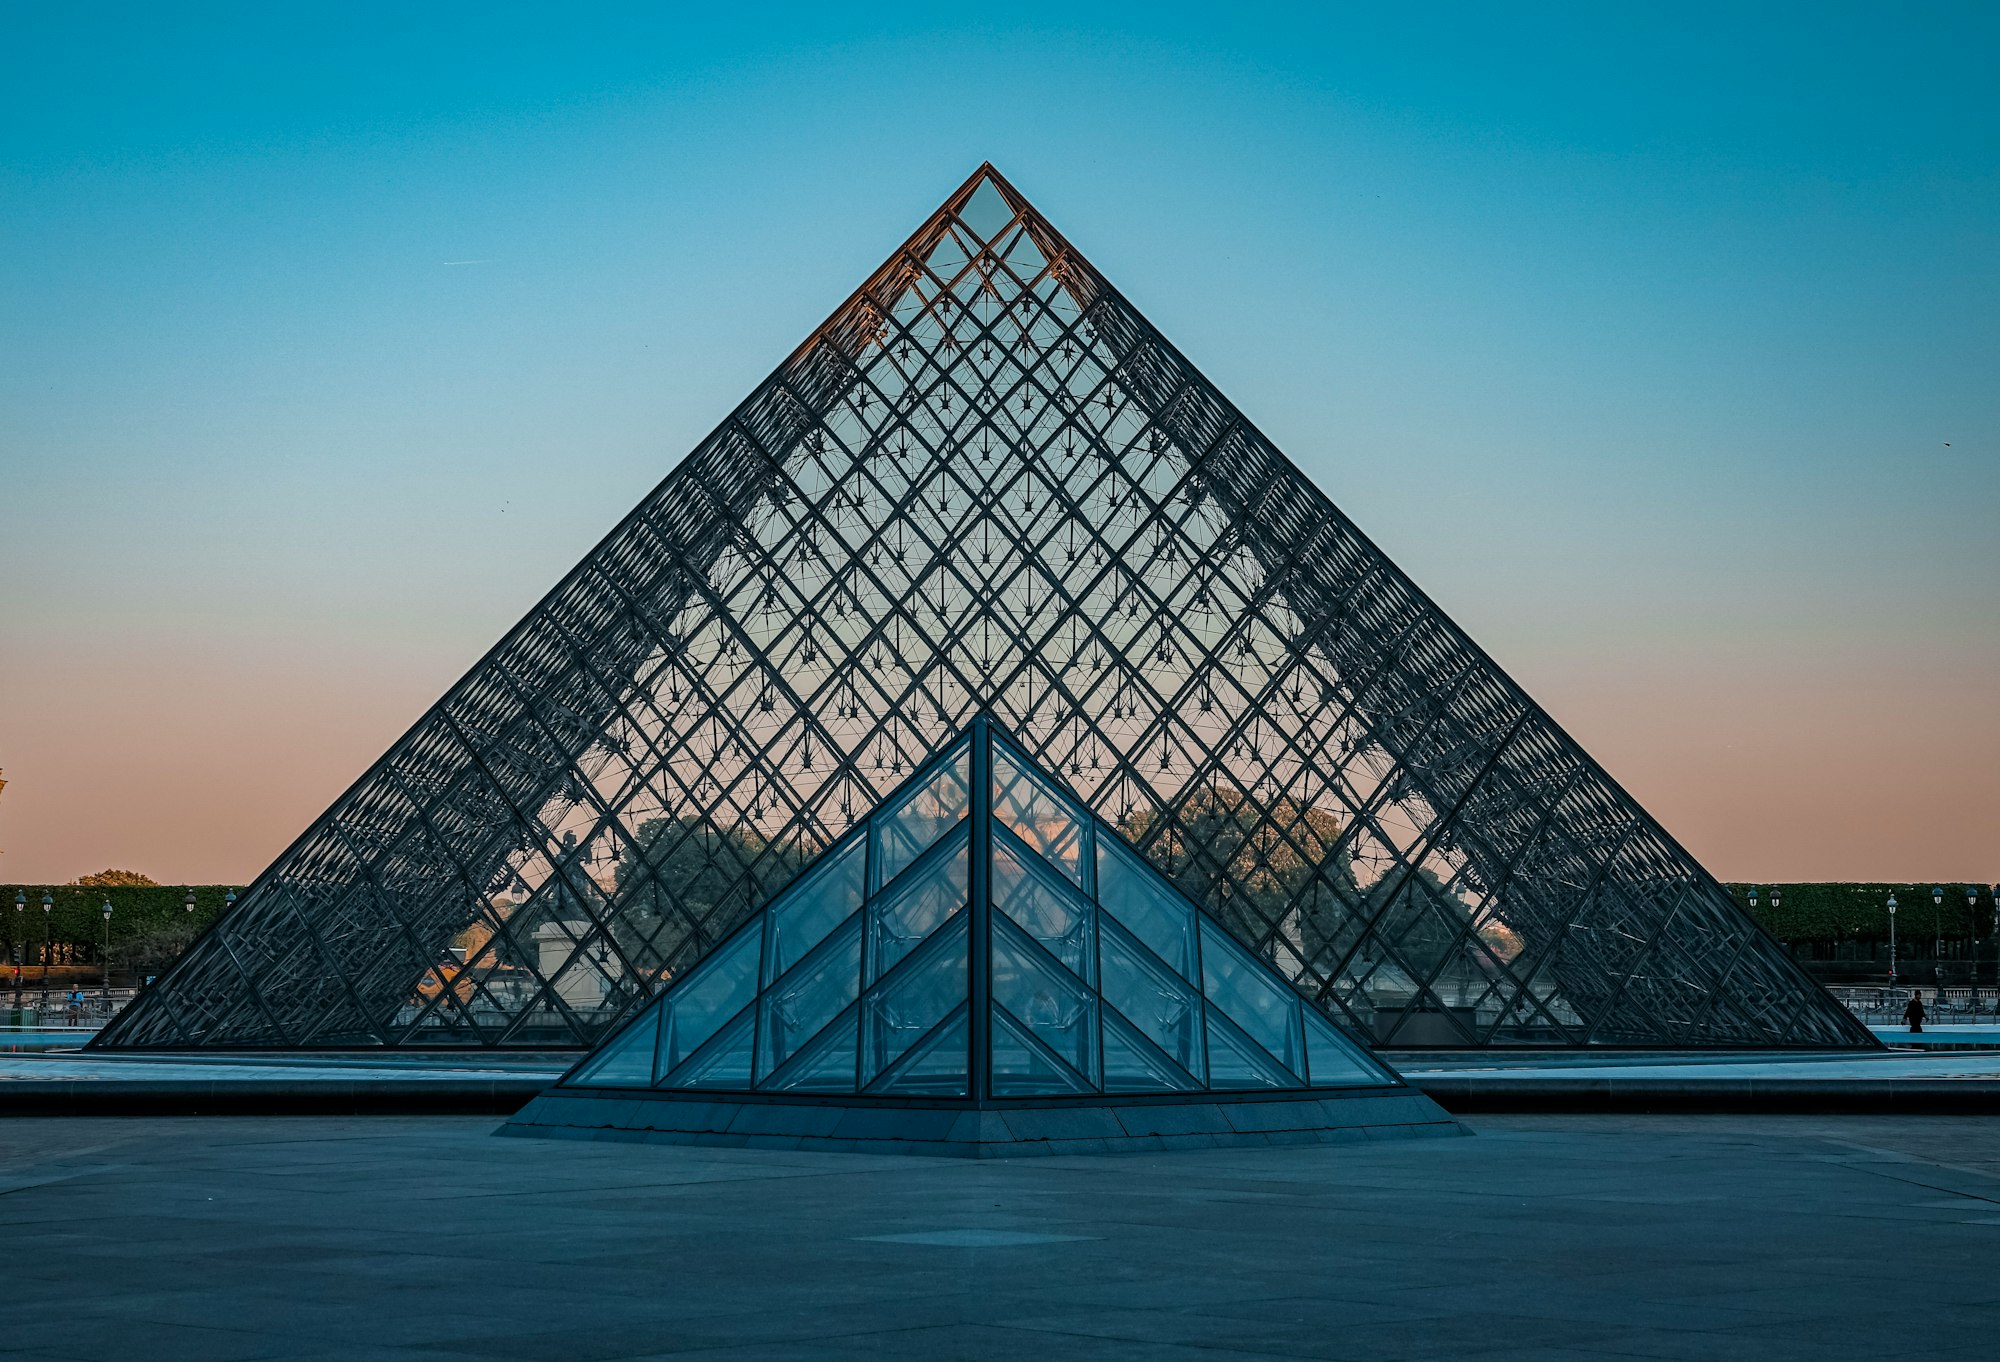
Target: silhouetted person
[(1913, 1013)]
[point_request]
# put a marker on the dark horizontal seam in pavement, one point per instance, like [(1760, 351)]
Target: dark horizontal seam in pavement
[(596, 1189), (1099, 1339), (1894, 1156), (1928, 1186)]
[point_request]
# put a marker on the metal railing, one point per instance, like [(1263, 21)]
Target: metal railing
[(45, 1008), (1948, 1005)]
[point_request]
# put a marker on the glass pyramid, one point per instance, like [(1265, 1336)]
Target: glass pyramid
[(980, 936), (987, 484)]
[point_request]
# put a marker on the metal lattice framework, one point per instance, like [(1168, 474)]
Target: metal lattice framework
[(986, 483)]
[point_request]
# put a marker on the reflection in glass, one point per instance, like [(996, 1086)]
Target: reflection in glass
[(1252, 997), (1020, 1068), (1236, 1061), (934, 1068), (1032, 810), (1056, 917), (826, 1065), (1331, 1058), (904, 1007), (626, 1061), (719, 988), (803, 915), (1055, 1008), (1131, 1065), (912, 910), (804, 1001), (1132, 891), (1161, 1005), (925, 814), (722, 1063)]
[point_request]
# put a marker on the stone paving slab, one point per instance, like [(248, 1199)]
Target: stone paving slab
[(426, 1239)]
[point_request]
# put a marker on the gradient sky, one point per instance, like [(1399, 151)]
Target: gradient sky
[(1660, 344)]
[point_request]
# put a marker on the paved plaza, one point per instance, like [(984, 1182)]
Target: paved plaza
[(1544, 1237)]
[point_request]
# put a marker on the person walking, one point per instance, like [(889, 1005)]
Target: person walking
[(1913, 1012)]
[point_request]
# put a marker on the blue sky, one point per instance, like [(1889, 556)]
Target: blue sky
[(1656, 342)]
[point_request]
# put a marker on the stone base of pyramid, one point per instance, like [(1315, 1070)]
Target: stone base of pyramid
[(995, 1131)]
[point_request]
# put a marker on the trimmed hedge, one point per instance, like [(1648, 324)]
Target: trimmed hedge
[(1806, 912), (1860, 912), (77, 915)]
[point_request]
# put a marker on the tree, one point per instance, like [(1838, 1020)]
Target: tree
[(568, 896), (703, 877), (1418, 917), (1251, 863), (114, 879), (151, 952), (1260, 866)]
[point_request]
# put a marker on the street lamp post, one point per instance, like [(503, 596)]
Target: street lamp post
[(14, 942), (107, 950), (1972, 926), (1996, 952), (1937, 926), (1892, 941), (48, 907)]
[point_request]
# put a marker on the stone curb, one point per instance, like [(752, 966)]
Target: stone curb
[(268, 1097), (1462, 1094)]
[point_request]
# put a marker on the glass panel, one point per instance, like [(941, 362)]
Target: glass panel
[(717, 989), (1047, 821), (1059, 1011), (1133, 892), (827, 1065), (722, 1063), (1252, 997), (797, 1006), (1131, 1065), (1334, 1060), (985, 212), (1236, 1061), (627, 1060), (1057, 918), (911, 911), (1019, 1067), (804, 914), (922, 816), (906, 1005), (936, 1068), (1159, 1004)]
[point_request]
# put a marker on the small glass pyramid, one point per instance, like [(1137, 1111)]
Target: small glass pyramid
[(980, 936)]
